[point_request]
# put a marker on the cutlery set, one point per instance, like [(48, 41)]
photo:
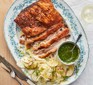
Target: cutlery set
[(14, 73)]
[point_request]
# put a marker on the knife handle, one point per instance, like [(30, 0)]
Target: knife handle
[(30, 82)]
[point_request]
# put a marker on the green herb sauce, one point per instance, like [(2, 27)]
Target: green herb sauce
[(65, 53)]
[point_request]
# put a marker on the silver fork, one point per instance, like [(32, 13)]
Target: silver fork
[(13, 75)]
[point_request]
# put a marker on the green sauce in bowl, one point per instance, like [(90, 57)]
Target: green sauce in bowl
[(65, 54)]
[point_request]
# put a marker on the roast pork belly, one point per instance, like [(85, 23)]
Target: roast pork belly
[(37, 18)]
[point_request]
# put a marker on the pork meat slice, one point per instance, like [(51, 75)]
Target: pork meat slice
[(53, 50), (30, 32)]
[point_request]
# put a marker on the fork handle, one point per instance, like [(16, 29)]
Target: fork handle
[(30, 82), (18, 81)]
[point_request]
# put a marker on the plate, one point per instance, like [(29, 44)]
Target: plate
[(11, 33)]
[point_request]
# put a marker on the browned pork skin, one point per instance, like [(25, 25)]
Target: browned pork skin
[(48, 53), (44, 35), (31, 32), (38, 17), (59, 36)]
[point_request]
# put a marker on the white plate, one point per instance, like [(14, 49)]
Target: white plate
[(11, 33)]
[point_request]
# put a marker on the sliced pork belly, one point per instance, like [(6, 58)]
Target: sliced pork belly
[(59, 36), (44, 35)]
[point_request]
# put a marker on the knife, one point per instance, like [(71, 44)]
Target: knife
[(18, 73)]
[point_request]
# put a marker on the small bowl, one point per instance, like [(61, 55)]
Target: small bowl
[(70, 63)]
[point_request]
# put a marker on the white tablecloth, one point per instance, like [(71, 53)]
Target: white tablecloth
[(87, 76)]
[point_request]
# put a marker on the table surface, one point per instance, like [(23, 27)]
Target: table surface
[(87, 76)]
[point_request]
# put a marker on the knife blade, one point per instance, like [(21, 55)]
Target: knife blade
[(18, 73)]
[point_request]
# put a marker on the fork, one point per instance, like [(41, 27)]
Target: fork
[(13, 75)]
